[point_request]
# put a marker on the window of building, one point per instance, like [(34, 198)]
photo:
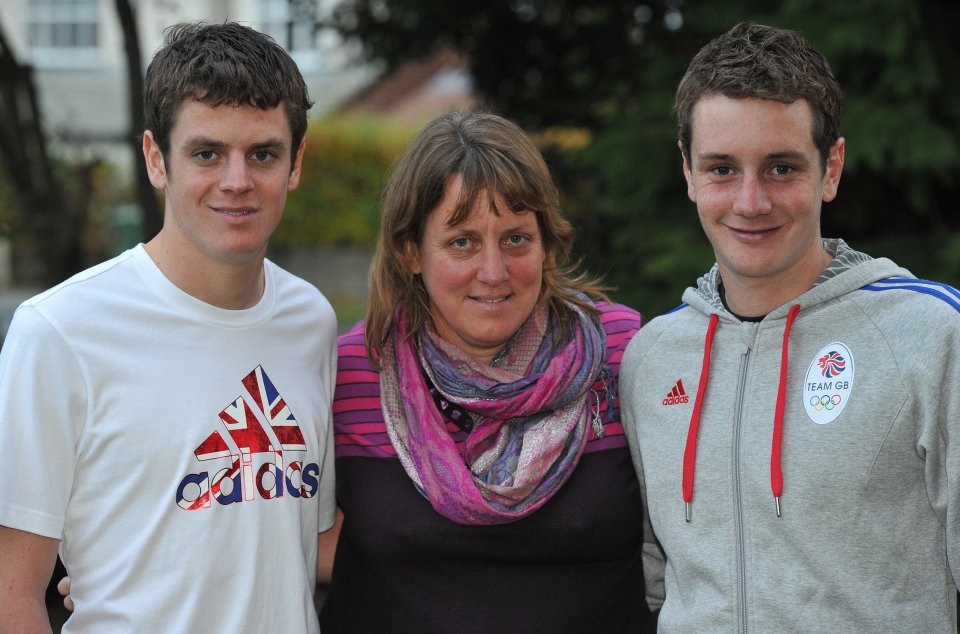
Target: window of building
[(297, 26), (291, 23), (63, 32)]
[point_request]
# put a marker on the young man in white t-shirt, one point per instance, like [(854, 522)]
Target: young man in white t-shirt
[(165, 415)]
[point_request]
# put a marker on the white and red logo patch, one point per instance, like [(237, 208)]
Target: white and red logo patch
[(828, 383)]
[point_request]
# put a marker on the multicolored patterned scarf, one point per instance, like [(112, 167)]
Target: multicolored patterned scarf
[(530, 411)]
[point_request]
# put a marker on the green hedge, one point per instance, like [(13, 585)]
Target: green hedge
[(344, 170)]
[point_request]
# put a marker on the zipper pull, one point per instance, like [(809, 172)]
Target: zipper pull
[(597, 423)]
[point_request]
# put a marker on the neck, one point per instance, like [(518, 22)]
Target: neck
[(757, 297), (232, 286)]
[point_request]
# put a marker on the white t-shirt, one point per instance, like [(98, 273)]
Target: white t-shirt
[(148, 431)]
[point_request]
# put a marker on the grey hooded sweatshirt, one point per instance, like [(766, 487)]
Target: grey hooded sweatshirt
[(861, 458)]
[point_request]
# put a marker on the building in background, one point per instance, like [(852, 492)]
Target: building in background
[(417, 90), (76, 48)]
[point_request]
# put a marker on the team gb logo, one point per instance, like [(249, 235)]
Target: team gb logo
[(828, 383)]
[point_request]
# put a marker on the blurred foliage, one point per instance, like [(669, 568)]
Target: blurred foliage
[(111, 189), (610, 68), (96, 186), (8, 217), (344, 169)]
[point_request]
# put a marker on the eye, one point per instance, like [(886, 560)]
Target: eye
[(722, 170), (517, 240), (263, 156), (205, 155), (460, 243), (782, 170)]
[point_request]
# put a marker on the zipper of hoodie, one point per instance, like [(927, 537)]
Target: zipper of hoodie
[(738, 501)]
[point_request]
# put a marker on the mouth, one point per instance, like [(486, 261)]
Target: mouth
[(491, 300), (753, 234), (236, 213)]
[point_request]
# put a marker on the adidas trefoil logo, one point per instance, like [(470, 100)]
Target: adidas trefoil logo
[(677, 396)]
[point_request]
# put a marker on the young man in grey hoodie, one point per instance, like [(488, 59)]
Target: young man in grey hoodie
[(795, 424)]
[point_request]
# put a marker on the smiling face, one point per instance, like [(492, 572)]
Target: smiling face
[(226, 178), (483, 277), (759, 184)]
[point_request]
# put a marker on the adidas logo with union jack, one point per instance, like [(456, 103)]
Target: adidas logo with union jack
[(677, 396), (259, 424)]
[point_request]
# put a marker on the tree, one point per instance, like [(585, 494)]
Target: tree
[(150, 212), (51, 221), (544, 62)]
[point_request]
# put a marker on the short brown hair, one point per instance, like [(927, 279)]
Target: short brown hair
[(756, 61), (222, 64), (493, 156)]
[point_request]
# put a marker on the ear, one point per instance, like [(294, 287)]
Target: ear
[(412, 254), (294, 179), (831, 178), (691, 191), (156, 166)]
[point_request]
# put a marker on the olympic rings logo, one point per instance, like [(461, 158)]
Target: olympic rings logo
[(825, 402)]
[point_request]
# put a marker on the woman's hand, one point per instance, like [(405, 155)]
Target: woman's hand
[(63, 587), (326, 548)]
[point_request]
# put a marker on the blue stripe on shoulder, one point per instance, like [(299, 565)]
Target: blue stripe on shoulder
[(673, 310), (941, 291)]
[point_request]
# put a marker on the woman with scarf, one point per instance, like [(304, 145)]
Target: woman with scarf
[(482, 472)]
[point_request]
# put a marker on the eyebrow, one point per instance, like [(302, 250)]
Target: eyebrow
[(789, 155), (460, 228), (198, 142), (775, 156), (712, 156)]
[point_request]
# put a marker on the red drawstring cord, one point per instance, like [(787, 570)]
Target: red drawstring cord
[(776, 473), (690, 453)]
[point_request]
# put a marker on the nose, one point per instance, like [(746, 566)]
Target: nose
[(236, 174), (493, 267), (752, 199)]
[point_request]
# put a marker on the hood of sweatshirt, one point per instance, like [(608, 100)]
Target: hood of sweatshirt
[(848, 271)]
